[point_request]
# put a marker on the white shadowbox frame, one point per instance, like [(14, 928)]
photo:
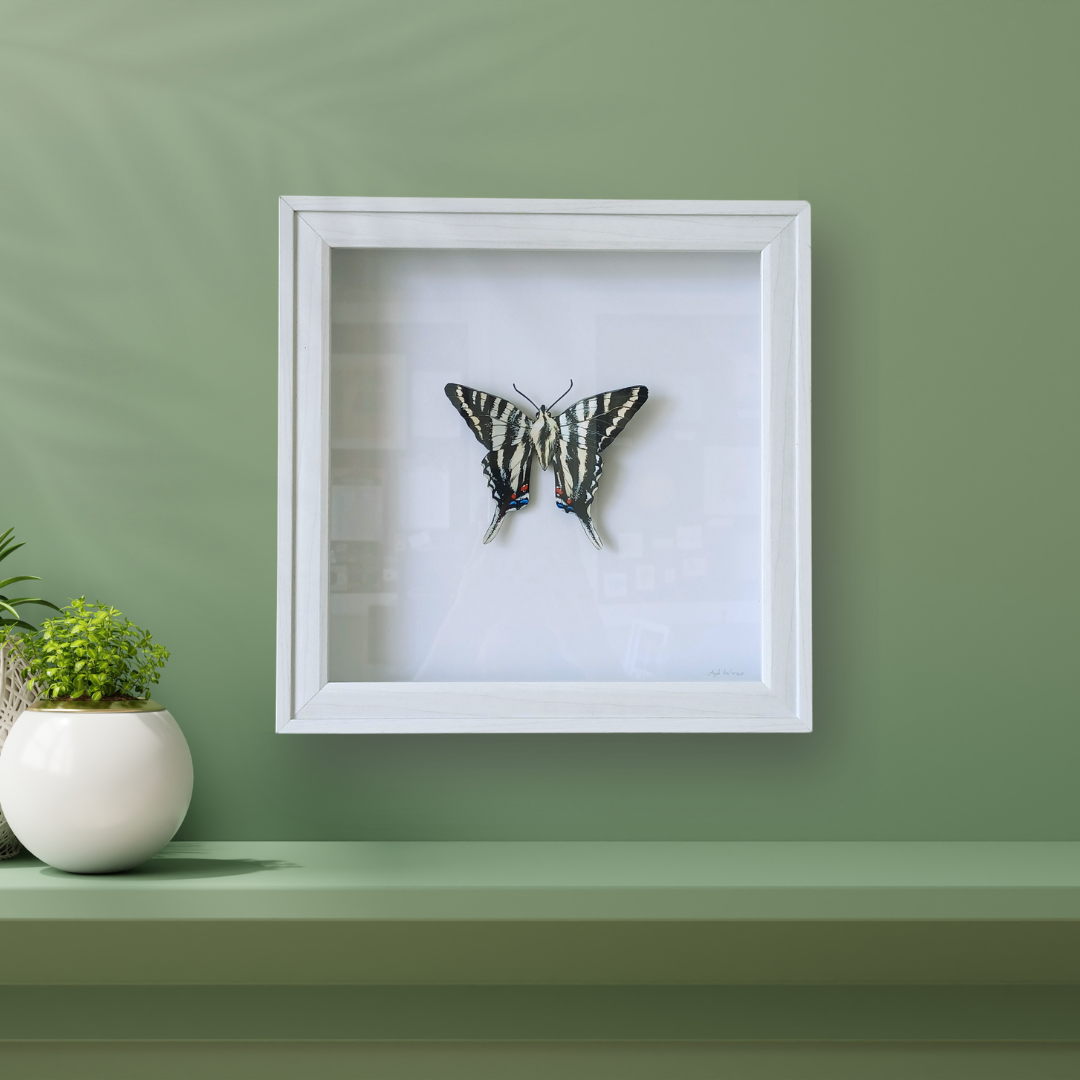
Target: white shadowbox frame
[(778, 232)]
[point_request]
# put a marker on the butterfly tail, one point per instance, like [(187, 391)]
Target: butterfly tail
[(579, 506), (590, 532), (496, 524), (507, 470)]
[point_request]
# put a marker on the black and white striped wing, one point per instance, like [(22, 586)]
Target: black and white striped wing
[(503, 429), (585, 429)]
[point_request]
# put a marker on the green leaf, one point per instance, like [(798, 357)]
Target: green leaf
[(10, 604), (7, 549), (22, 577)]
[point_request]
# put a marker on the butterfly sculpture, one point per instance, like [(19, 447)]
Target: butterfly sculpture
[(570, 442)]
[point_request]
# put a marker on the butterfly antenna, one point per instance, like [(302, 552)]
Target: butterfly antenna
[(526, 397), (562, 395)]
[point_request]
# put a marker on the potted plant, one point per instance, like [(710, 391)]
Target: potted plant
[(15, 694), (95, 776)]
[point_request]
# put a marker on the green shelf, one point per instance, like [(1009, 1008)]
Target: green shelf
[(530, 913), (564, 881)]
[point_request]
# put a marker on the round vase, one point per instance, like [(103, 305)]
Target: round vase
[(95, 787)]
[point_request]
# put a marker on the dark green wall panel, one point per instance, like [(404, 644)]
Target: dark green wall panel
[(655, 1014), (142, 149), (496, 1060)]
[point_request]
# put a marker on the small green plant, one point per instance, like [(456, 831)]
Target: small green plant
[(9, 605), (91, 651)]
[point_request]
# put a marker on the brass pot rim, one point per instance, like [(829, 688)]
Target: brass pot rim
[(86, 705)]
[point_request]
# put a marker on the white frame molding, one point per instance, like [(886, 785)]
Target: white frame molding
[(310, 228)]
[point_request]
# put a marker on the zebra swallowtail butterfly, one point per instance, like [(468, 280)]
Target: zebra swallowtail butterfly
[(570, 442)]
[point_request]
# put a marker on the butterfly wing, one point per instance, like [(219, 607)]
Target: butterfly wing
[(503, 429), (585, 429)]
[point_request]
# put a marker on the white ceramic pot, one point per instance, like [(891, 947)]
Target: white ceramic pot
[(95, 789)]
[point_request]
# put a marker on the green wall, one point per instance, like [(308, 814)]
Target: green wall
[(142, 150)]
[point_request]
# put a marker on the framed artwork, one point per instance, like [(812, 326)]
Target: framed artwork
[(455, 376)]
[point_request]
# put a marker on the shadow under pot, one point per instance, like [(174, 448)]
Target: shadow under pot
[(95, 787)]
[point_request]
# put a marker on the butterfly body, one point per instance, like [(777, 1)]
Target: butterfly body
[(544, 433), (570, 442)]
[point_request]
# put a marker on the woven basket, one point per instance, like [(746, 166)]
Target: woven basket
[(14, 698)]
